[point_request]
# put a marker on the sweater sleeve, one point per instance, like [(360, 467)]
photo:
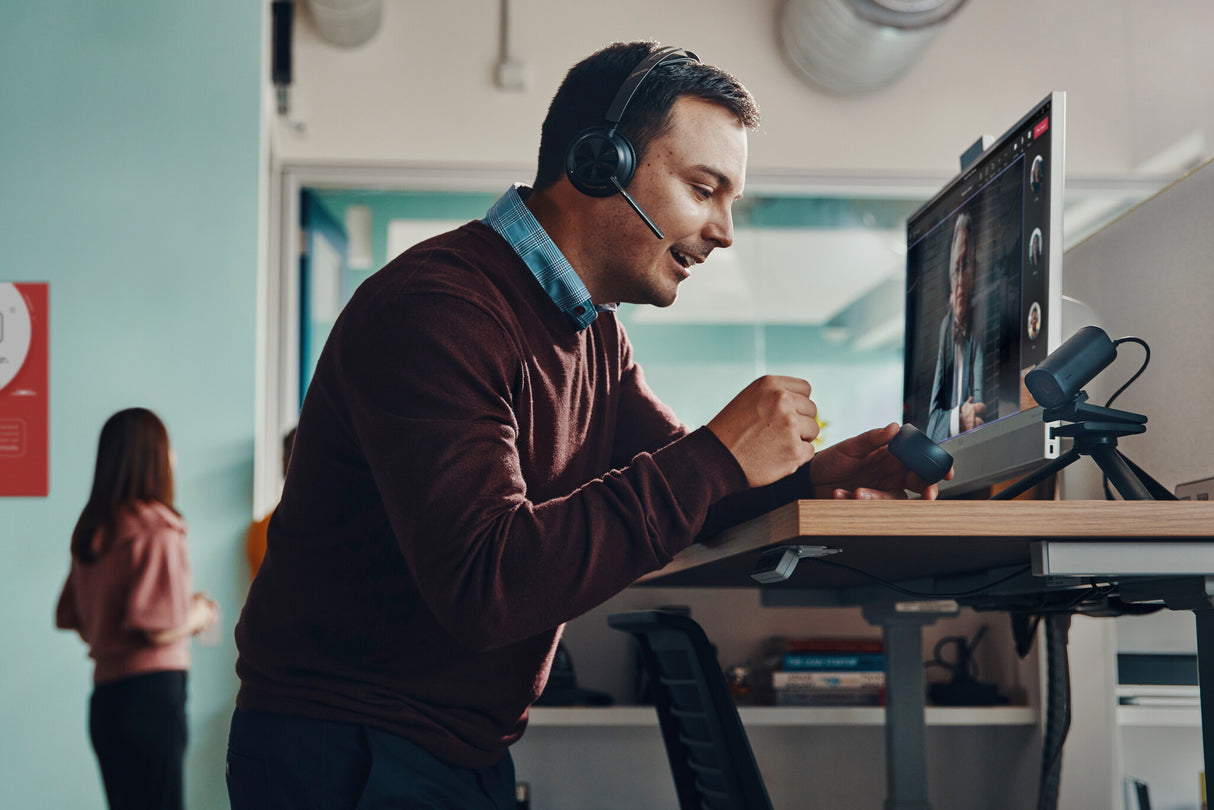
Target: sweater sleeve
[(439, 426), (161, 590), (742, 506)]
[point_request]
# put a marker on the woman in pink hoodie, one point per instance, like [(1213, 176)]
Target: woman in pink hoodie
[(129, 595)]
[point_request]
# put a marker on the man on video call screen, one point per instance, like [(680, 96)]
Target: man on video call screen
[(963, 304)]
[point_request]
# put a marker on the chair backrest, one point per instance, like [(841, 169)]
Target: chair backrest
[(710, 756)]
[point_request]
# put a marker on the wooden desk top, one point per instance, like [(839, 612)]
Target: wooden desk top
[(901, 540)]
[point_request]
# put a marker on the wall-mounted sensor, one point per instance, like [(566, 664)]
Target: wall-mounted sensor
[(14, 332)]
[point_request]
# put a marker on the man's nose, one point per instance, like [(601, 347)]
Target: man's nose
[(719, 228)]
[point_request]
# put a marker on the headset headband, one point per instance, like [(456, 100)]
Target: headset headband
[(661, 56)]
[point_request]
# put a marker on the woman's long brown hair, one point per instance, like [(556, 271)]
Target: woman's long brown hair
[(132, 465)]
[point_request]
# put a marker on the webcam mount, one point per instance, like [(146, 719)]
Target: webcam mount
[(1095, 431)]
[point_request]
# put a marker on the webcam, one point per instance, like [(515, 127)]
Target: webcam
[(921, 455), (1056, 380)]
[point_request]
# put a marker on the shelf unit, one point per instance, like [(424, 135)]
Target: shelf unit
[(624, 743), (759, 716)]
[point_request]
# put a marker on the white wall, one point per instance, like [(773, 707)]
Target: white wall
[(422, 91)]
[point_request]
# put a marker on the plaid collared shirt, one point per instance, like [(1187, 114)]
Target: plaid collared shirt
[(510, 218)]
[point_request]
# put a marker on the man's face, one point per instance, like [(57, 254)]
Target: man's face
[(961, 272), (687, 183)]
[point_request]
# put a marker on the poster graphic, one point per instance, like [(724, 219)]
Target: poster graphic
[(24, 394)]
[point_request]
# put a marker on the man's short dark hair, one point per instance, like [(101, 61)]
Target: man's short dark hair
[(588, 89)]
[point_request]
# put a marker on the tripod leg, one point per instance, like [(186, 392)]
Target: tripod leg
[(1119, 472), (1034, 478), (1157, 490)]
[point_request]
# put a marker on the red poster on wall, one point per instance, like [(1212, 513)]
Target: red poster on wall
[(24, 390)]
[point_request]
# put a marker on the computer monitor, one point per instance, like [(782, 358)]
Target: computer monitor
[(984, 302)]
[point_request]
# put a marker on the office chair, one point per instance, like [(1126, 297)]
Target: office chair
[(710, 757)]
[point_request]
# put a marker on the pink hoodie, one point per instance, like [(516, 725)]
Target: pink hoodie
[(141, 585)]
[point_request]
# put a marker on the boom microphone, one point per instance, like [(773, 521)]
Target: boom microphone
[(636, 207)]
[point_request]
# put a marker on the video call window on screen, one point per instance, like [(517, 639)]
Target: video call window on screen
[(980, 288)]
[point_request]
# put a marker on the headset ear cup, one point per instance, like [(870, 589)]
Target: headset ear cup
[(594, 157)]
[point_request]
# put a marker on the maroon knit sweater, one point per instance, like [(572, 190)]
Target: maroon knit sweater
[(469, 473)]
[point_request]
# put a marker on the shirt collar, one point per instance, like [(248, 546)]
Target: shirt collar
[(511, 219)]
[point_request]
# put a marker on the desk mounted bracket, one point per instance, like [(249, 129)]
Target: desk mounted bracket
[(777, 564), (1178, 593)]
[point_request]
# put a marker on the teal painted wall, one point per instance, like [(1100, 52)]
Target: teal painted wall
[(129, 135)]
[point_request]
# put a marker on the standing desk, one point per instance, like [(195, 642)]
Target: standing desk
[(951, 553)]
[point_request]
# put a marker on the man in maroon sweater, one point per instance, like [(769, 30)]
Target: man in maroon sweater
[(479, 459)]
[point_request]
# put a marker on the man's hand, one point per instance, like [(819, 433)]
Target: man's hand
[(862, 468), (970, 415), (769, 428)]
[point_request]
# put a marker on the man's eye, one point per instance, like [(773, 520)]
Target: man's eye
[(702, 192)]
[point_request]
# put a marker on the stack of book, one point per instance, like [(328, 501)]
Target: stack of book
[(826, 671)]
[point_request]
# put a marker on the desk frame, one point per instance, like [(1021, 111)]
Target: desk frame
[(1152, 551)]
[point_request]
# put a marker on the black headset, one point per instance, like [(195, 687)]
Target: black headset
[(601, 161)]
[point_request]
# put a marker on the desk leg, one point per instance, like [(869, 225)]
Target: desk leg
[(1205, 680), (905, 685)]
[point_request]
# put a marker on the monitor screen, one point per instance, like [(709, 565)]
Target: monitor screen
[(984, 302)]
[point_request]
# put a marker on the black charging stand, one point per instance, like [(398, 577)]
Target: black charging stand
[(1095, 431), (964, 689)]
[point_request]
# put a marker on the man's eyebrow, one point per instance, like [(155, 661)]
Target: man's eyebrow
[(723, 181)]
